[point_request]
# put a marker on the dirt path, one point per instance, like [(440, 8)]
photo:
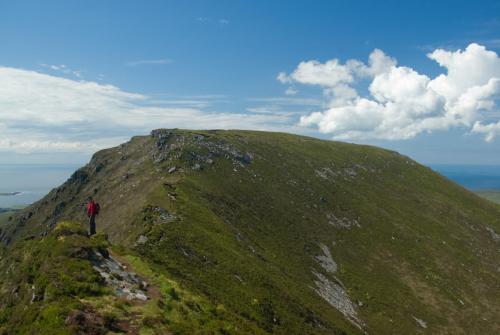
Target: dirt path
[(124, 310)]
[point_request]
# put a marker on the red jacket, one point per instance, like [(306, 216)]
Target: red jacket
[(92, 209)]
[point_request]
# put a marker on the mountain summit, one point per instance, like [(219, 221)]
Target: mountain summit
[(244, 232)]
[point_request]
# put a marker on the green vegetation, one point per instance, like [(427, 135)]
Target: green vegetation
[(232, 230), (44, 279), (4, 217), (8, 213)]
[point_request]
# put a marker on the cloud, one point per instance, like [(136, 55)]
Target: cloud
[(203, 19), (401, 103), (45, 113), (491, 130), (289, 101), (291, 91), (206, 20), (64, 69), (149, 62)]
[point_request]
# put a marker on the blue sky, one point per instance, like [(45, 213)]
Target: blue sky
[(129, 66)]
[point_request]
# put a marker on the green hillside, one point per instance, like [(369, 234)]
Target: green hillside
[(4, 217), (5, 214), (242, 232)]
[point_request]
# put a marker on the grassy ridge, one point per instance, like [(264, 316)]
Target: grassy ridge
[(54, 281), (239, 219)]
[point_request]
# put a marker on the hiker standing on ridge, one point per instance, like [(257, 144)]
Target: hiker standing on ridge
[(92, 212)]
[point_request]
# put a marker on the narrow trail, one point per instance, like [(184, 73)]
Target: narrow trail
[(137, 290)]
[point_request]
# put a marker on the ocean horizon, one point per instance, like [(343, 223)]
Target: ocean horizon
[(472, 177), (32, 181)]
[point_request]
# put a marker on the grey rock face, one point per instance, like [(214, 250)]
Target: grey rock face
[(342, 222), (420, 322), (173, 146), (142, 239), (125, 284), (336, 296), (326, 261), (494, 235), (333, 291), (346, 172)]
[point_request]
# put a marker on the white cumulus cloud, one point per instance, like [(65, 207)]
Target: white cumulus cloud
[(45, 113), (401, 103)]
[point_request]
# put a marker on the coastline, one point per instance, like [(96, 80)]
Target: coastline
[(9, 194)]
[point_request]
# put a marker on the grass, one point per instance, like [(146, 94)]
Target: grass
[(47, 281), (4, 217), (239, 257)]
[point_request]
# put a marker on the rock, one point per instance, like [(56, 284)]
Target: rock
[(342, 222), (334, 292), (245, 158), (79, 177), (99, 167), (337, 297), (494, 235), (172, 169), (420, 322), (35, 297), (326, 260), (144, 285), (142, 239), (125, 284), (325, 173)]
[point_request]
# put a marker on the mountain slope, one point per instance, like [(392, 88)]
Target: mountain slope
[(274, 233)]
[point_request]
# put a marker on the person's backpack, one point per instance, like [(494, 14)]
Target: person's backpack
[(97, 208)]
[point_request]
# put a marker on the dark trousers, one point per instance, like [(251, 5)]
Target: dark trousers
[(92, 225)]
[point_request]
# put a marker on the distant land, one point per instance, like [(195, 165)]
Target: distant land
[(7, 194), (4, 210), (23, 184), (492, 195)]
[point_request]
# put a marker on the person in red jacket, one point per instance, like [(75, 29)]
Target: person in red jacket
[(92, 212)]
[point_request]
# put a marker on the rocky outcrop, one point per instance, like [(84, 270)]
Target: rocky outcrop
[(197, 150), (333, 291), (342, 222), (124, 283)]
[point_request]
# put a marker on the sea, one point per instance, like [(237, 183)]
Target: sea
[(472, 177), (33, 181)]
